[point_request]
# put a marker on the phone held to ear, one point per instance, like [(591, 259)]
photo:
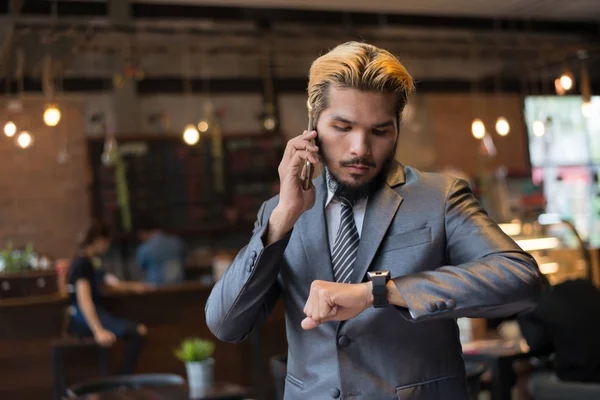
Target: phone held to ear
[(308, 169)]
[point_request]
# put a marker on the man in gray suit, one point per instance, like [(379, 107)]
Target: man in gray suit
[(376, 260)]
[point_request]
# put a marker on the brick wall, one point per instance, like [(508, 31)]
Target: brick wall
[(451, 116), (41, 200)]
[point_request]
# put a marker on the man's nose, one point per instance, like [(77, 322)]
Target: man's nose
[(360, 146)]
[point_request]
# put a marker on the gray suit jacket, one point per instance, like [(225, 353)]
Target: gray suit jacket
[(447, 258)]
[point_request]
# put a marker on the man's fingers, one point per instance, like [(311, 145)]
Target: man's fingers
[(309, 135), (304, 145), (301, 155), (332, 312), (301, 142), (309, 323)]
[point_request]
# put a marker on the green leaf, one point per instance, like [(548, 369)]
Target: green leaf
[(194, 350)]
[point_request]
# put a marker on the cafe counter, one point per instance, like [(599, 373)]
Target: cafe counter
[(28, 325)]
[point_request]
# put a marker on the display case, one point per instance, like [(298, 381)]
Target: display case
[(556, 246)]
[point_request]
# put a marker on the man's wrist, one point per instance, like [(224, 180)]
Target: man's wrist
[(280, 223), (393, 295), (369, 299)]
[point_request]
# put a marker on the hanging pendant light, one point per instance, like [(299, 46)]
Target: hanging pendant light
[(52, 115), (478, 129), (191, 135), (24, 140), (502, 126), (538, 128), (10, 129)]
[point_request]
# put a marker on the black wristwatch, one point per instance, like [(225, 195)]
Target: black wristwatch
[(379, 279)]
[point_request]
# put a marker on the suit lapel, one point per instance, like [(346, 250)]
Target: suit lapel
[(313, 230), (380, 212)]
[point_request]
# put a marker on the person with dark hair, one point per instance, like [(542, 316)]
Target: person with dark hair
[(161, 256), (88, 317)]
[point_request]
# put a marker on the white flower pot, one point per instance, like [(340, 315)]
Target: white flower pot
[(200, 375)]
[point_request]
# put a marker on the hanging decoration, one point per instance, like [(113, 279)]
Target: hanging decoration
[(52, 113), (586, 91), (268, 117), (111, 157)]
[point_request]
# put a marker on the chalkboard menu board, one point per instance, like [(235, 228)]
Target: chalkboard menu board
[(175, 184)]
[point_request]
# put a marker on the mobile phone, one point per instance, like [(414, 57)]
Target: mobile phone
[(308, 169)]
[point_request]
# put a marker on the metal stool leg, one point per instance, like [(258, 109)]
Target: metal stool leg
[(103, 359), (58, 373)]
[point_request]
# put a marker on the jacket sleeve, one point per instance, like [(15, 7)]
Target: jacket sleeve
[(489, 275), (247, 292)]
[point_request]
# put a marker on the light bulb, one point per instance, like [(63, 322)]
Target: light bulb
[(586, 109), (24, 140), (566, 82), (538, 128), (203, 126), (191, 135), (10, 129), (502, 126), (52, 115), (478, 129), (269, 123)]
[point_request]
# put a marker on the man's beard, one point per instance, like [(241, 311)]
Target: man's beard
[(354, 193)]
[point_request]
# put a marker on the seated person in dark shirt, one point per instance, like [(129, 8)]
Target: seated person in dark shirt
[(88, 317), (566, 322)]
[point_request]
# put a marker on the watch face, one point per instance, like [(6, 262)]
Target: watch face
[(373, 274)]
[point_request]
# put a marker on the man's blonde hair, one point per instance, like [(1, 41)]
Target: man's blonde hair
[(358, 66)]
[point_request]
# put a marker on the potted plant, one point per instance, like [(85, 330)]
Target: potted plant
[(197, 353)]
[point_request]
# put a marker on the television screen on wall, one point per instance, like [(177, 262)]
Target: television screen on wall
[(561, 132)]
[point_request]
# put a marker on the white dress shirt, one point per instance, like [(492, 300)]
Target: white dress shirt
[(333, 209)]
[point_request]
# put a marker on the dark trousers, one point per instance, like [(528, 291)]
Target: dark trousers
[(134, 342)]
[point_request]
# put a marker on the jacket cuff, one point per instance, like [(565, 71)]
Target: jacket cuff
[(256, 249), (421, 304)]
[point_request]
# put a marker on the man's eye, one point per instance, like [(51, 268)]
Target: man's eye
[(342, 128)]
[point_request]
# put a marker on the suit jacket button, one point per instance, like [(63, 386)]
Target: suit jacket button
[(431, 307), (441, 305), (343, 341), (450, 304), (335, 393)]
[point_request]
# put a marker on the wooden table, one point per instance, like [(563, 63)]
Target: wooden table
[(222, 391), (498, 355)]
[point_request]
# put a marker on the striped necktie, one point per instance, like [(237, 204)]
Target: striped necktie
[(345, 245)]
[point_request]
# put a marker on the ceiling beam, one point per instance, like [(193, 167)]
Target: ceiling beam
[(154, 86), (158, 11), (355, 19)]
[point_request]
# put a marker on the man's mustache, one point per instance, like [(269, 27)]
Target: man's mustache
[(358, 161)]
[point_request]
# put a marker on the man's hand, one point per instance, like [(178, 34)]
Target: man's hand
[(293, 199), (331, 301)]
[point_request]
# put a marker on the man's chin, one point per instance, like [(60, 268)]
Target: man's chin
[(355, 180)]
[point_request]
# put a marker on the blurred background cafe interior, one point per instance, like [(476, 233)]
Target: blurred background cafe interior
[(166, 120)]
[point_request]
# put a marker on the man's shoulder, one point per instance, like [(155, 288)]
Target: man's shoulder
[(437, 182)]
